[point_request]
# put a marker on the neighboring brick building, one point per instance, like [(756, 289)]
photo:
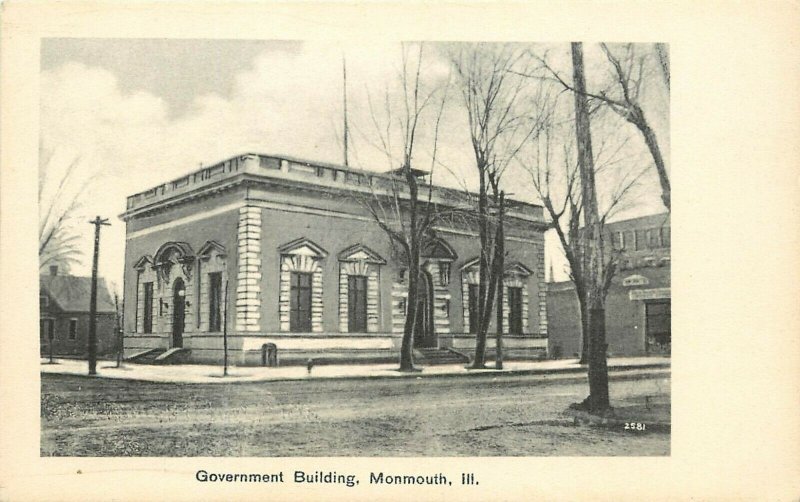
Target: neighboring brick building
[(64, 314), (638, 308), (308, 272)]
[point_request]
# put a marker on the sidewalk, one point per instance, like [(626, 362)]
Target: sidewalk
[(192, 373)]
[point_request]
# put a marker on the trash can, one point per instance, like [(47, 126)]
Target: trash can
[(269, 355)]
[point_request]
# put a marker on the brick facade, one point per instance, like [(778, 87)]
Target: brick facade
[(643, 279)]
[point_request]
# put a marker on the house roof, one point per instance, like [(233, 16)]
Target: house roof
[(650, 220), (73, 294)]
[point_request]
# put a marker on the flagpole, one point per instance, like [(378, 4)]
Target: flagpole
[(344, 96)]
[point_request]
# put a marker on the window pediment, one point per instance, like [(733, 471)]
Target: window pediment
[(180, 252), (143, 262), (209, 248), (303, 247), (438, 249), (517, 268), (361, 253), (473, 263)]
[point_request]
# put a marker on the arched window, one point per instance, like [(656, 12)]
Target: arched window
[(437, 257), (174, 260)]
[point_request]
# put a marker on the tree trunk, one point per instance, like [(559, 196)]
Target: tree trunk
[(584, 354), (413, 251), (598, 366), (593, 266), (480, 347), (407, 346), (483, 291)]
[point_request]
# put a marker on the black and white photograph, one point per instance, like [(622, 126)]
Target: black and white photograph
[(323, 250), (398, 251)]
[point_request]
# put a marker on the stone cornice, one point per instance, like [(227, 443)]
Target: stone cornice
[(249, 169)]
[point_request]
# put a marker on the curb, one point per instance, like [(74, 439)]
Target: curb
[(564, 373)]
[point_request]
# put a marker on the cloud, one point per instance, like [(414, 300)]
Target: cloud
[(285, 102), (282, 102)]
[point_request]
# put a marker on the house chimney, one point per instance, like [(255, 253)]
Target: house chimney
[(53, 269)]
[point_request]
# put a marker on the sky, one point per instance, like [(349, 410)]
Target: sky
[(134, 113)]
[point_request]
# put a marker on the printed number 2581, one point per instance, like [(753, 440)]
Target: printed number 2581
[(635, 426)]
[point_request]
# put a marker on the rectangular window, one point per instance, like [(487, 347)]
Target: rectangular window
[(215, 301), (640, 240), (665, 237), (473, 308), (356, 304), (73, 329), (630, 240), (621, 237), (653, 238), (615, 240), (515, 311), (444, 273), (300, 303), (44, 301), (147, 316), (46, 329)]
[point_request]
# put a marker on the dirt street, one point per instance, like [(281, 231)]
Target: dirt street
[(473, 416)]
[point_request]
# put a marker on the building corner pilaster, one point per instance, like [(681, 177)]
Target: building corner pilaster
[(248, 283)]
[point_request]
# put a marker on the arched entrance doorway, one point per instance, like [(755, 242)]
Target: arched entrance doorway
[(424, 335), (178, 312)]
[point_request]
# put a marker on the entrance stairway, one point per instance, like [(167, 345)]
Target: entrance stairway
[(159, 356), (432, 356)]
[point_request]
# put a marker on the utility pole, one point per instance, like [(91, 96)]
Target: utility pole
[(225, 334), (499, 264), (97, 222), (344, 96), (118, 331)]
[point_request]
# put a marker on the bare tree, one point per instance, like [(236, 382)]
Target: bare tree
[(623, 96), (402, 205), (580, 228), (502, 116), (59, 202), (663, 60)]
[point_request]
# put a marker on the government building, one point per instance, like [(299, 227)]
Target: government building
[(281, 258)]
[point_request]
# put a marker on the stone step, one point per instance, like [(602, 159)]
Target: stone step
[(145, 357), (172, 356)]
